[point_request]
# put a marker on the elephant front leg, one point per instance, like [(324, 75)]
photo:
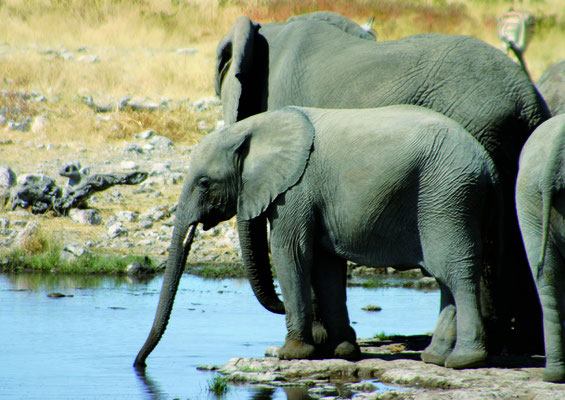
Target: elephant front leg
[(294, 278), (329, 281)]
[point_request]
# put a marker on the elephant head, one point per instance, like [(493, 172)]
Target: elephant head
[(242, 69), (239, 169)]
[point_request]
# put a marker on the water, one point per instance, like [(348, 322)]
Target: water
[(83, 347)]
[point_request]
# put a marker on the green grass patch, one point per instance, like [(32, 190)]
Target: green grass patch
[(384, 336), (51, 260), (217, 271), (218, 385)]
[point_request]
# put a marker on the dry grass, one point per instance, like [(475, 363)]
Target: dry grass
[(136, 41)]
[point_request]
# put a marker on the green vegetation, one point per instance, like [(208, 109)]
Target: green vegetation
[(51, 260), (383, 336), (218, 385), (215, 271)]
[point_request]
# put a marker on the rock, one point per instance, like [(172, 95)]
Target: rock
[(372, 307), (272, 351), (363, 386), (4, 225), (206, 103), (145, 135), (23, 126), (72, 251), (72, 171), (322, 391), (127, 216), (161, 142), (145, 222), (133, 148), (189, 52), (40, 123), (27, 235), (117, 229), (91, 59), (138, 268), (85, 216), (58, 295), (129, 165), (142, 104), (7, 177), (160, 169)]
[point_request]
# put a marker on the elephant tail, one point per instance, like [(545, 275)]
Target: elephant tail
[(547, 186)]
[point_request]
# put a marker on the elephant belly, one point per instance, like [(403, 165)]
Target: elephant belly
[(397, 248)]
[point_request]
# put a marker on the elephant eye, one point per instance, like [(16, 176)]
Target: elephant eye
[(204, 183)]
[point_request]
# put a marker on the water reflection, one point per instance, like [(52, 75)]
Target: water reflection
[(84, 346), (151, 387)]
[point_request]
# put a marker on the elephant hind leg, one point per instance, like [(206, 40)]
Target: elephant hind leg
[(445, 332), (550, 283), (470, 347)]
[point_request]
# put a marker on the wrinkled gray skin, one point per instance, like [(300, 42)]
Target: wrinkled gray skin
[(325, 60), (400, 185), (540, 202), (551, 85)]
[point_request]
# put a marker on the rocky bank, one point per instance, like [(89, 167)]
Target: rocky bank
[(391, 369)]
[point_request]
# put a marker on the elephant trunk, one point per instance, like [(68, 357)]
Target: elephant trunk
[(254, 252), (176, 261)]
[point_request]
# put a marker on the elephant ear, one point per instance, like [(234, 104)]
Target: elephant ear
[(238, 70), (274, 158)]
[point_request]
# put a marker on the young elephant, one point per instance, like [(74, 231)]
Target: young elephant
[(396, 186), (540, 202)]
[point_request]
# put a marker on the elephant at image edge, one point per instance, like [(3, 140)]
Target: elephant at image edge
[(399, 185), (540, 202), (325, 60), (551, 85)]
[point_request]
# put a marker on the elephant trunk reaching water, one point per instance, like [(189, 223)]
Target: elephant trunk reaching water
[(175, 266), (253, 237)]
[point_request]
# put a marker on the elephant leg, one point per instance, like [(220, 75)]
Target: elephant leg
[(445, 332), (550, 283), (329, 281), (470, 348), (319, 332), (293, 271), (453, 254)]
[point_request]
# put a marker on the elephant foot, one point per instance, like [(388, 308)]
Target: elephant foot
[(433, 355), (554, 374), (319, 333), (348, 351), (466, 359), (296, 349)]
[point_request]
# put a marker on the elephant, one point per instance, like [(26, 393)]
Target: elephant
[(399, 185), (551, 85), (540, 204), (324, 60)]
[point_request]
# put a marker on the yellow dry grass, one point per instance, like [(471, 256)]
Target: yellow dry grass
[(137, 42)]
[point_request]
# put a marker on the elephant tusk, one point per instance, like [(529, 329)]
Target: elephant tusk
[(188, 241)]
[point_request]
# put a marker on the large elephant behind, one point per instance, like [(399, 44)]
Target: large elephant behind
[(540, 202), (551, 85), (325, 60)]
